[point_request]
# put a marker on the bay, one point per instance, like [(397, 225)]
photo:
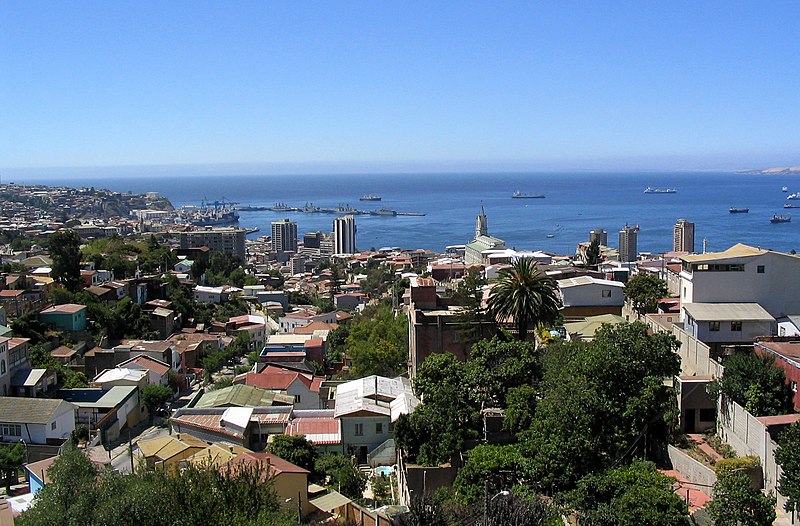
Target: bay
[(575, 203)]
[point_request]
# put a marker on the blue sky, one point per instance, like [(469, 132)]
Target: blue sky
[(350, 86)]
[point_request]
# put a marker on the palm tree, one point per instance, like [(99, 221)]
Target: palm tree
[(525, 294)]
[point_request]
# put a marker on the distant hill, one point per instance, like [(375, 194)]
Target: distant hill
[(778, 170)]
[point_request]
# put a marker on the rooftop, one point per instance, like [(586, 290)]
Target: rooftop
[(727, 312), (66, 308), (17, 410)]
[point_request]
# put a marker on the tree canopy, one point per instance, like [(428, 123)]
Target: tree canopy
[(737, 503), (644, 290), (788, 457), (64, 249), (756, 383), (524, 294), (377, 342), (628, 496), (78, 494)]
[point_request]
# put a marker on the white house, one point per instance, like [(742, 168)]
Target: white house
[(301, 318), (36, 420), (210, 294), (731, 323), (588, 296), (743, 274), (367, 409)]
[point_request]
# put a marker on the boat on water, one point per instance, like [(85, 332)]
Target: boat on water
[(281, 207), (649, 190), (790, 205), (795, 195), (218, 213), (780, 219), (734, 210), (370, 197), (384, 212), (784, 189), (523, 195)]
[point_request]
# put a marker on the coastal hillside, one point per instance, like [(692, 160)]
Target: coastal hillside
[(777, 170)]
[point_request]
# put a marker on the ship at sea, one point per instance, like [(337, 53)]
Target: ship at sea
[(383, 212), (522, 195), (780, 219), (734, 210), (369, 197), (795, 195), (649, 190), (218, 213)]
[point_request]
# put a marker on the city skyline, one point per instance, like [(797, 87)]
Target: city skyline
[(358, 87)]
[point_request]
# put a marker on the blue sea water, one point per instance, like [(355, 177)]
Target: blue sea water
[(575, 203)]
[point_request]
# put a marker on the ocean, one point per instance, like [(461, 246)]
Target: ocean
[(574, 204)]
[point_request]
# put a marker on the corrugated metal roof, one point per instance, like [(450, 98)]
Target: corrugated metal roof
[(330, 501), (727, 312), (241, 395)]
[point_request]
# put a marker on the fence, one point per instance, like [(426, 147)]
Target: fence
[(695, 356), (364, 517)]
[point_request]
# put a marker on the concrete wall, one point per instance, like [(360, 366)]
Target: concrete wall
[(693, 470), (695, 355)]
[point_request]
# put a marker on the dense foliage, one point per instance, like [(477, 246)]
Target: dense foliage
[(756, 383), (737, 503), (628, 496), (644, 290), (64, 250), (79, 495), (377, 342), (124, 256), (526, 295), (788, 457)]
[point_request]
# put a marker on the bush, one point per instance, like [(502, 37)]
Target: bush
[(726, 466)]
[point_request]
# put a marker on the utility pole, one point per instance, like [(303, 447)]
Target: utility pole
[(130, 448)]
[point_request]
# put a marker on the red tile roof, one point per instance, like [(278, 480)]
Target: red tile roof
[(151, 364)]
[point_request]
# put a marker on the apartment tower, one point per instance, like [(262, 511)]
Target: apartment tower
[(344, 235), (683, 236)]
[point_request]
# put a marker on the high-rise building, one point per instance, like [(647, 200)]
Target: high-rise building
[(683, 236), (600, 235), (344, 235), (312, 239), (227, 240), (628, 250), (284, 236)]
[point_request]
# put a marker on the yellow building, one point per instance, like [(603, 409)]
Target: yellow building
[(168, 451)]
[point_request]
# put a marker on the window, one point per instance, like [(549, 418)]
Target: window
[(760, 269), (606, 293), (297, 399), (53, 426), (2, 367), (11, 430), (708, 415), (713, 326), (391, 427), (379, 428), (359, 430), (736, 326)]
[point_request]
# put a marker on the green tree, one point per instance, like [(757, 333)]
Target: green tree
[(756, 383), (644, 290), (64, 249), (601, 402), (520, 408), (629, 496), (448, 416), (788, 457), (381, 490), (377, 342), (526, 295), (12, 457), (737, 503), (487, 461), (495, 366), (153, 396), (296, 449)]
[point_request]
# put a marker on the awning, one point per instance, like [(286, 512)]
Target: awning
[(330, 502)]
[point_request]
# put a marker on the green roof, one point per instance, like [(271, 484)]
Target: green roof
[(4, 330), (241, 395), (589, 326)]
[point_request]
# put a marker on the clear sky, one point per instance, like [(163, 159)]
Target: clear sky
[(395, 86)]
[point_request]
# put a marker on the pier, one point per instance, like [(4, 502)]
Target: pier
[(346, 209)]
